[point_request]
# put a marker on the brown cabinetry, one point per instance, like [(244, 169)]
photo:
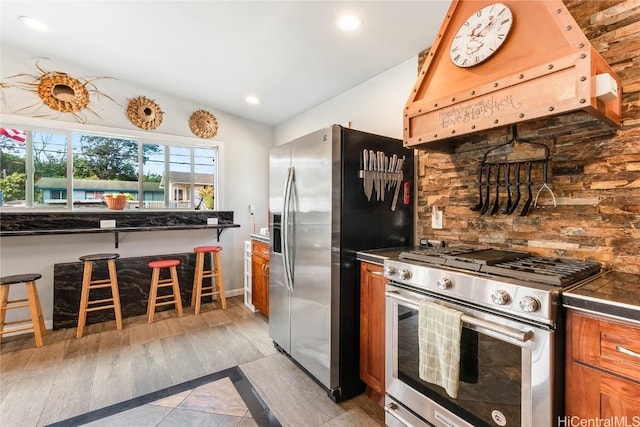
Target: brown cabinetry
[(372, 322), (603, 368), (260, 276)]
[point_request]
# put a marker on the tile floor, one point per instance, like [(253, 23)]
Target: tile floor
[(220, 399)]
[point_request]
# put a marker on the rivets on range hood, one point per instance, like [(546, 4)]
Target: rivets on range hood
[(504, 82)]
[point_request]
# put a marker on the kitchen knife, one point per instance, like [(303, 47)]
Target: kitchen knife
[(392, 168), (380, 174), (368, 177), (373, 162), (385, 173), (398, 181)]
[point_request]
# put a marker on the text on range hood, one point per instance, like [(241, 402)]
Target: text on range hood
[(545, 66)]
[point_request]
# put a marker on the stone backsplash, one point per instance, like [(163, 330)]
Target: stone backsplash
[(594, 176)]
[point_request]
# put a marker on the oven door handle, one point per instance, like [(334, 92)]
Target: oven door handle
[(503, 330), (391, 410)]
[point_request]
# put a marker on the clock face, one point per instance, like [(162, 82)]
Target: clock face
[(481, 35)]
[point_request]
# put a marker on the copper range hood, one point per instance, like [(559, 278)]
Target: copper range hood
[(529, 61)]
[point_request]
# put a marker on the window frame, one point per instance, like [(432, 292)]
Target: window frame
[(69, 128)]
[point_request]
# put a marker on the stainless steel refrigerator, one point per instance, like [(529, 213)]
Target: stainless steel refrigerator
[(325, 202)]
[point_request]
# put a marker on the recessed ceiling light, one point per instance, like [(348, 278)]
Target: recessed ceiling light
[(33, 23), (252, 100), (349, 22)]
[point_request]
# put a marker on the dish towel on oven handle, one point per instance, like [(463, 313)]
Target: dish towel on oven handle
[(439, 333)]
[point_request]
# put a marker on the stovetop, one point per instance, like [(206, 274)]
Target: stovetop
[(558, 272), (503, 281)]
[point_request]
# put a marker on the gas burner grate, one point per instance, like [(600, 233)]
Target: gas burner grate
[(433, 255), (553, 271)]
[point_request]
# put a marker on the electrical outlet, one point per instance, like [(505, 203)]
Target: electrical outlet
[(436, 218), (212, 221), (107, 223)]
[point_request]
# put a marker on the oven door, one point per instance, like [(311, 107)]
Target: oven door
[(506, 369)]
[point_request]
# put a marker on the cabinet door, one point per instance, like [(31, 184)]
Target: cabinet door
[(593, 394), (260, 277), (372, 322), (601, 380)]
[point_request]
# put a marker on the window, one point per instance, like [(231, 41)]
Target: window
[(35, 171)]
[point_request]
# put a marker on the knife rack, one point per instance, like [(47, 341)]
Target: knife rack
[(380, 174)]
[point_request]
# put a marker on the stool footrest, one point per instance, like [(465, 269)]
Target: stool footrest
[(208, 275), (102, 307), (19, 328), (210, 294), (165, 282), (15, 322), (99, 285), (14, 305), (98, 301), (159, 304)]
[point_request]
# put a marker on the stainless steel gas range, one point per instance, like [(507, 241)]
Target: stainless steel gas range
[(511, 347)]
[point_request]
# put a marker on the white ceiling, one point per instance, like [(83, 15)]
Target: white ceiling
[(287, 53)]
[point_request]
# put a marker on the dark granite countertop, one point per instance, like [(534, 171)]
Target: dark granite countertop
[(613, 294), (64, 222), (377, 256)]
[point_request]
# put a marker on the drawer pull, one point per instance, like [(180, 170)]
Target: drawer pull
[(628, 352)]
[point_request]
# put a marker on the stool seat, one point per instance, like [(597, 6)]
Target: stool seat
[(99, 257), (171, 298), (89, 284), (207, 249), (19, 278), (164, 263), (216, 288), (36, 321)]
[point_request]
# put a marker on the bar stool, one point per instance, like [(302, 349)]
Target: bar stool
[(87, 305), (215, 273), (36, 322), (157, 282)]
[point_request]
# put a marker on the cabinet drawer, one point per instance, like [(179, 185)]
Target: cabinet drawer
[(260, 248), (608, 345)]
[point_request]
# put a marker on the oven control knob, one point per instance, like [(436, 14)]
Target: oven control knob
[(500, 297), (444, 283), (390, 271), (405, 274), (530, 304)]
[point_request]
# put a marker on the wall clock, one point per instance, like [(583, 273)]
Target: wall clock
[(481, 35)]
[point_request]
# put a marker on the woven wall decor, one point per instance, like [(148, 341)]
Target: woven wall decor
[(144, 113), (59, 91), (203, 124)]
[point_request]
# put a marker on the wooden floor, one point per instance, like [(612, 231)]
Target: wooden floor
[(70, 376)]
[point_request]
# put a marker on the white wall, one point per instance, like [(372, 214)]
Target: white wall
[(243, 168), (374, 106)]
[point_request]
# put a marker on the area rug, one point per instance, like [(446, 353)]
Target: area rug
[(223, 396)]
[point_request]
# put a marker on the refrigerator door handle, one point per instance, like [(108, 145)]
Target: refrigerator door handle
[(286, 255)]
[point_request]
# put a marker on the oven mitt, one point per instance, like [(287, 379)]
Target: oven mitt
[(439, 334)]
